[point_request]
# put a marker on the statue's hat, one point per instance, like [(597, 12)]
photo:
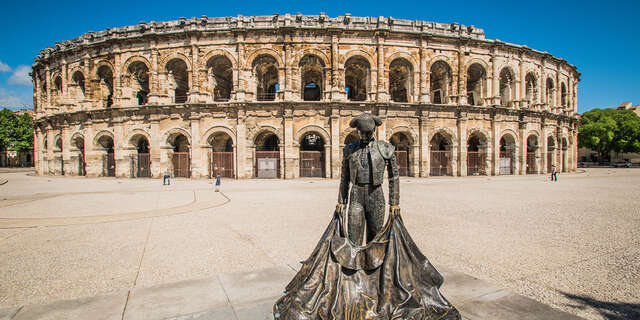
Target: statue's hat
[(365, 122)]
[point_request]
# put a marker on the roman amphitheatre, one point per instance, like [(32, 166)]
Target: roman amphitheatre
[(272, 97)]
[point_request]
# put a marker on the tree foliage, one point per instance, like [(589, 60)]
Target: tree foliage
[(16, 132), (607, 130)]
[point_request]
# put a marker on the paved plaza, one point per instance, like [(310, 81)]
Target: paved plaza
[(573, 244)]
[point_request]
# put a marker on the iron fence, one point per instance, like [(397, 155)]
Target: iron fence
[(312, 164)]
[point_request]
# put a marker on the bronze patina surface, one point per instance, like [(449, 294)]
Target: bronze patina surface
[(385, 278)]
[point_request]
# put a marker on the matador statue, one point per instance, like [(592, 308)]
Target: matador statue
[(384, 278)]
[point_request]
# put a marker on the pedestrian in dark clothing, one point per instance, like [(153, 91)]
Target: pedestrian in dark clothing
[(166, 179), (554, 174), (218, 183)]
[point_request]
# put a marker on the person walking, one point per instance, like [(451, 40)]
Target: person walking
[(554, 173), (166, 179), (218, 182)]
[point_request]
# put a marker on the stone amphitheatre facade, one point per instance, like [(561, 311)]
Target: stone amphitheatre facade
[(272, 96)]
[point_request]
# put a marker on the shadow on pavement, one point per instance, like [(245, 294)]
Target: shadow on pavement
[(608, 310)]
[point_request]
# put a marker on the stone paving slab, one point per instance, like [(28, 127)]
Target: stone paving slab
[(8, 313), (251, 295), (175, 299), (96, 308)]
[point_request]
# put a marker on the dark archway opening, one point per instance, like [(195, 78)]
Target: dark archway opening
[(267, 157), (402, 152), (441, 155)]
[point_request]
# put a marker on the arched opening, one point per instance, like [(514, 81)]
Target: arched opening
[(441, 155), (440, 80), (563, 95), (311, 71), (564, 154), (550, 92), (138, 74), (401, 142), (78, 142), (354, 136), (177, 80), (507, 154), (43, 89), (78, 89), (267, 155), (476, 84), (477, 154), (221, 159), (265, 70), (57, 86), (105, 86), (109, 161), (531, 86), (357, 73), (220, 78), (507, 87), (58, 150), (551, 147), (400, 80), (312, 156), (143, 156), (181, 157), (532, 149)]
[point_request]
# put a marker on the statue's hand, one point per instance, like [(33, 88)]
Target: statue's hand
[(340, 208), (394, 210)]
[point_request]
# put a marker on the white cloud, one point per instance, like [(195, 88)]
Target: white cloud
[(14, 100), (4, 67), (20, 76)]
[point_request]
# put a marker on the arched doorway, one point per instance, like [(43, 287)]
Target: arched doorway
[(181, 157), (312, 155), (138, 77), (441, 155), (440, 80), (221, 158), (477, 154), (78, 142), (219, 78), (109, 159), (402, 144), (532, 148), (551, 147), (476, 84), (267, 163), (564, 154), (143, 156), (507, 154), (265, 70), (59, 151), (400, 80)]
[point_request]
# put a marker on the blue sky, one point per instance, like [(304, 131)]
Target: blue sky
[(599, 37)]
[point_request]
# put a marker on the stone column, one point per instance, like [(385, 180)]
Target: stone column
[(197, 168), (154, 148), (544, 150), (154, 81), (335, 143), (194, 91), (243, 153), (495, 77), (495, 142), (522, 155), (290, 157), (382, 94), (116, 95), (240, 82), (424, 90), (462, 143), (46, 101), (521, 85), (288, 76), (122, 162), (66, 148), (558, 94), (327, 161), (462, 88), (423, 134), (337, 94)]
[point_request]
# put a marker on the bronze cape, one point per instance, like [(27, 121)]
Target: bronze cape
[(389, 278)]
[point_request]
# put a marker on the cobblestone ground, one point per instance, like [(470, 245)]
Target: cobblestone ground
[(573, 244)]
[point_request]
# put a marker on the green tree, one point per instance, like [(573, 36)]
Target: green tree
[(607, 130), (7, 124)]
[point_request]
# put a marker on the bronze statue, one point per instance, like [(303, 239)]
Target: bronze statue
[(387, 277)]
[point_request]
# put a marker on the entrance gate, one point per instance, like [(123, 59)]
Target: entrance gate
[(549, 161), (110, 165), (144, 165), (531, 163), (181, 164), (506, 163), (82, 165), (402, 158), (476, 162), (267, 169), (311, 164), (222, 164), (441, 163)]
